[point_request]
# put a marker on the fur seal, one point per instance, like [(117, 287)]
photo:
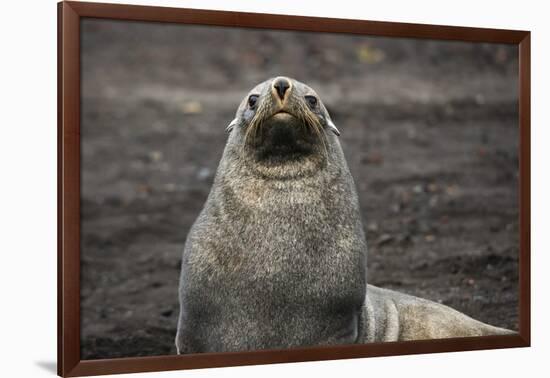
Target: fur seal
[(278, 258)]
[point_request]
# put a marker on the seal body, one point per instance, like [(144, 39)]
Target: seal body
[(278, 274), (277, 258)]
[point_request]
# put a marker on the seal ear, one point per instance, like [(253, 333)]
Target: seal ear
[(231, 125), (332, 127)]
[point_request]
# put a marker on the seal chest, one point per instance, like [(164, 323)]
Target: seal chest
[(277, 257)]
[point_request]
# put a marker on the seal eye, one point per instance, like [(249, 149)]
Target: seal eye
[(252, 101), (311, 101)]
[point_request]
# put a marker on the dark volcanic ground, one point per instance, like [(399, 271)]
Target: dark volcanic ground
[(429, 130)]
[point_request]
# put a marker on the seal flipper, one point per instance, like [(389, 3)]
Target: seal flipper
[(379, 319), (392, 316)]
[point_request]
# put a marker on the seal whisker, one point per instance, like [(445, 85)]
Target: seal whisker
[(313, 124)]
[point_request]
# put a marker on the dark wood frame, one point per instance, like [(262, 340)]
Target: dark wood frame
[(69, 15)]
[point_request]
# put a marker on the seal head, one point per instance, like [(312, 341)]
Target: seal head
[(281, 127)]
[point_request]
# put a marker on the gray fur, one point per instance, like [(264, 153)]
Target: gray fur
[(277, 257)]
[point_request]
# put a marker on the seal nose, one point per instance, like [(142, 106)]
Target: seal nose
[(281, 85)]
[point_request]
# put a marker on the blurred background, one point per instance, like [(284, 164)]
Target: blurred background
[(429, 130)]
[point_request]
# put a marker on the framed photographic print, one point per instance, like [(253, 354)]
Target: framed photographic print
[(240, 188)]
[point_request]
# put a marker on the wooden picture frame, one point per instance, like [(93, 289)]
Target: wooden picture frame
[(69, 18)]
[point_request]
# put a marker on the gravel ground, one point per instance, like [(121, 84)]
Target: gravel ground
[(429, 130)]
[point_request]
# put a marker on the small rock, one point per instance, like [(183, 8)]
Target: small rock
[(370, 55), (452, 190), (155, 156), (144, 189), (384, 239), (418, 189), (191, 107), (405, 239), (405, 197), (372, 226), (204, 173), (167, 313), (432, 187), (170, 187)]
